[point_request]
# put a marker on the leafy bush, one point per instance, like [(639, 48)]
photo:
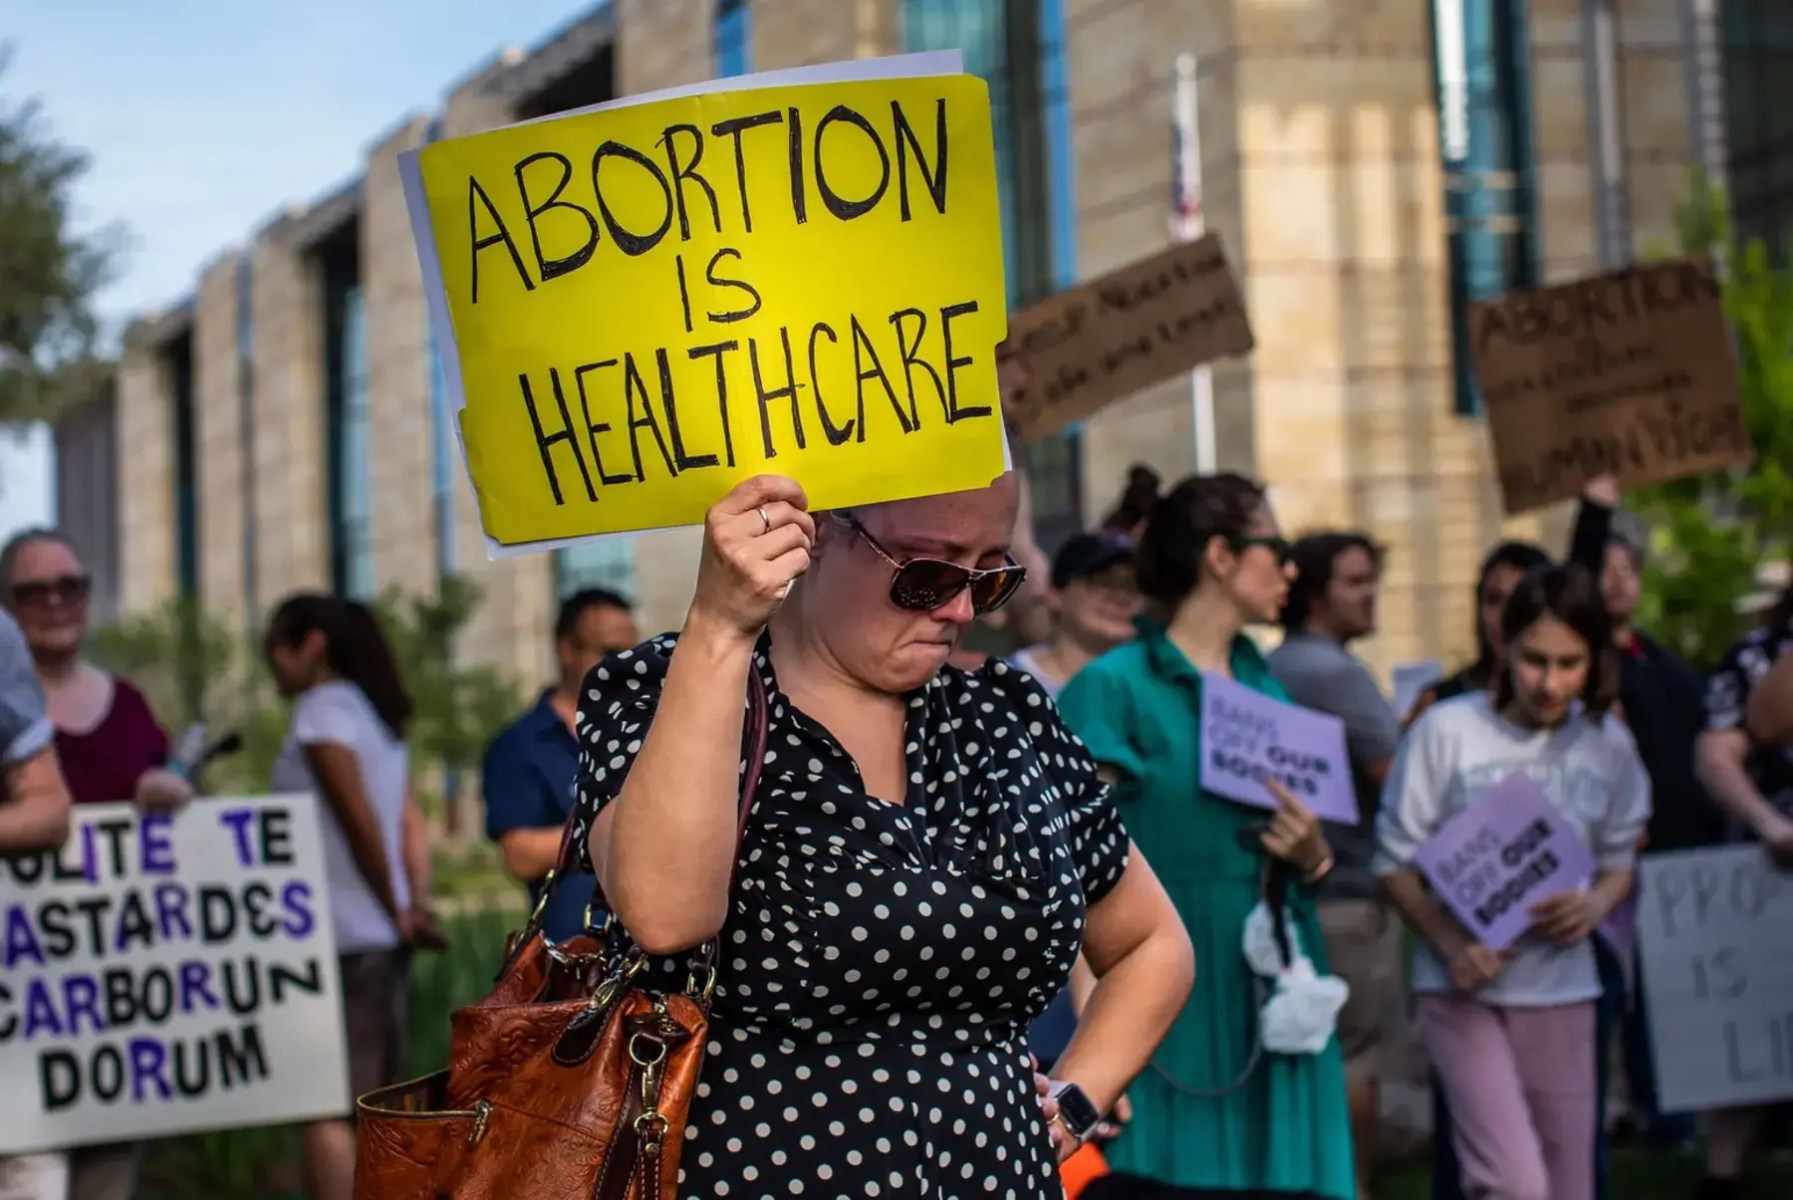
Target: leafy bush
[(1712, 534)]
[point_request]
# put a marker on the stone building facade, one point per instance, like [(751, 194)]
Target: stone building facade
[(1367, 163)]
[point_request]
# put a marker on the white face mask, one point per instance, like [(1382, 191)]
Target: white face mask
[(1302, 1013)]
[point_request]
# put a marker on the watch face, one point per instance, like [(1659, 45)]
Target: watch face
[(1079, 1112)]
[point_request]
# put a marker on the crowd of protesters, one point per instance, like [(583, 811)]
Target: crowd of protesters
[(1117, 628)]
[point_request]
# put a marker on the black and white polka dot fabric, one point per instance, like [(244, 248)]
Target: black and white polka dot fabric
[(881, 962)]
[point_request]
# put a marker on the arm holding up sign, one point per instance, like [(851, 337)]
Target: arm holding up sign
[(663, 840)]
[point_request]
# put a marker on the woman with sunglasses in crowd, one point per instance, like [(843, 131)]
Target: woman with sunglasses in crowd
[(1214, 1116), (928, 851), (108, 741)]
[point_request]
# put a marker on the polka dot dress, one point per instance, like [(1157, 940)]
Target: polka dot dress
[(882, 962)]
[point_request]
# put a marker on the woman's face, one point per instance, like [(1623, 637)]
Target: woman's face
[(49, 598), (1256, 571), (1497, 585), (1549, 663), (846, 595), (1098, 611)]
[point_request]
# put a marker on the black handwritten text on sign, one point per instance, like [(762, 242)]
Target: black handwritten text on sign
[(1104, 340), (1629, 374)]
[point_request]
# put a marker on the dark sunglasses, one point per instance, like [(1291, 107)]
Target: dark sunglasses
[(1278, 546), (924, 584), (36, 593)]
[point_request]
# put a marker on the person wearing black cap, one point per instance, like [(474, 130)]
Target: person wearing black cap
[(1094, 601)]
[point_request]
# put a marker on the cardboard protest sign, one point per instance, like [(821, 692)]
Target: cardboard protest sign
[(1493, 861), (1629, 373), (1106, 339), (653, 300), (1716, 932), (167, 974), (1248, 737)]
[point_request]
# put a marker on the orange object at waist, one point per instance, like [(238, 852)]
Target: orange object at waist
[(1077, 1171)]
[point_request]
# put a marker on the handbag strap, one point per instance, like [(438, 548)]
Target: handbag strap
[(754, 739)]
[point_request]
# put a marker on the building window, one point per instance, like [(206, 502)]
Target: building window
[(178, 363), (607, 562), (733, 34), (1018, 48), (245, 330), (1483, 76), (442, 454), (347, 420), (1758, 85)]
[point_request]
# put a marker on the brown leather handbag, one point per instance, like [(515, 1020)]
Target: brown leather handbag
[(570, 1081)]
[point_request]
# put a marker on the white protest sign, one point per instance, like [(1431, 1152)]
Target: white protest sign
[(1410, 679), (1248, 737), (169, 974), (1716, 932), (1510, 849)]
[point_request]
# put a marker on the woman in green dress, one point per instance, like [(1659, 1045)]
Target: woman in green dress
[(1206, 1116)]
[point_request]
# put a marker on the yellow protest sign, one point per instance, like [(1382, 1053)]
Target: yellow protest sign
[(651, 303)]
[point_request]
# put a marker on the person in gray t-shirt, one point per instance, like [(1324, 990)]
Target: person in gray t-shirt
[(34, 801), (1331, 604)]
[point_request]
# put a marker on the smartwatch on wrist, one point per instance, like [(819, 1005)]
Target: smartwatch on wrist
[(1076, 1110)]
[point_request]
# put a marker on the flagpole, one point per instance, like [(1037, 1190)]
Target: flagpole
[(1189, 224)]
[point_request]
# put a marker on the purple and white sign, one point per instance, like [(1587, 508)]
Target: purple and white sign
[(1494, 860), (169, 974), (1248, 737)]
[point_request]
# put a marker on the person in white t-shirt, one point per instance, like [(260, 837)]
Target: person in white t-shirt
[(346, 744), (1511, 1033)]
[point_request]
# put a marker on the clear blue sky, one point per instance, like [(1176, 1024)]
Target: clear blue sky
[(204, 117)]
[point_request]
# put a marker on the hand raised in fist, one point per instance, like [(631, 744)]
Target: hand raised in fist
[(757, 541)]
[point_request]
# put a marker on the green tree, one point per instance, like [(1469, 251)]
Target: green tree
[(49, 271), (1711, 534)]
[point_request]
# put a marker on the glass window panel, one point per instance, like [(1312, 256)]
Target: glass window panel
[(1483, 81), (605, 562), (733, 34)]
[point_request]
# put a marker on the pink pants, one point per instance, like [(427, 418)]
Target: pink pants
[(1520, 1082)]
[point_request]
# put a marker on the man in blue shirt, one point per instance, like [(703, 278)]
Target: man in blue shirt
[(531, 768)]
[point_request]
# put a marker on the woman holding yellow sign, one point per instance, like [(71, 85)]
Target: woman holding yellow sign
[(927, 853)]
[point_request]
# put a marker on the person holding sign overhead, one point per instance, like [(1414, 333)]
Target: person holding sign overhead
[(927, 851), (1216, 1113), (1510, 1031)]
